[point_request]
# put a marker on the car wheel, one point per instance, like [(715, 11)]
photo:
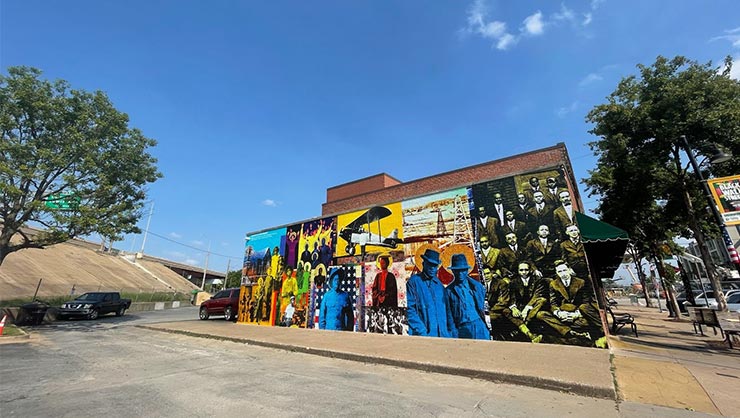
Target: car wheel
[(204, 313), (228, 313), (93, 314), (121, 311)]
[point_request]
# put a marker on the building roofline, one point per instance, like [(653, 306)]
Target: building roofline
[(363, 179), (559, 145)]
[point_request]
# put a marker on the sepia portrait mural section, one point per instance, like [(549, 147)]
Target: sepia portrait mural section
[(500, 260)]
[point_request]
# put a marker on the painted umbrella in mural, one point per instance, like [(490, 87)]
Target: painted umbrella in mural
[(359, 232)]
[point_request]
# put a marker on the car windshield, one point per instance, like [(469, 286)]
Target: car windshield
[(91, 296)]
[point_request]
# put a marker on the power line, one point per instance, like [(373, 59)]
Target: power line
[(189, 246)]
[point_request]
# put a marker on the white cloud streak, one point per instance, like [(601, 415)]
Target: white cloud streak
[(591, 78), (533, 25), (731, 35), (494, 30), (479, 23), (175, 235), (564, 111), (269, 202)]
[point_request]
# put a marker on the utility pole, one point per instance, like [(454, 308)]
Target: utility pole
[(146, 231), (228, 265), (205, 268)]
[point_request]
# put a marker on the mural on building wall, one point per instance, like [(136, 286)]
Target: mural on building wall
[(498, 260), (375, 230), (385, 295), (263, 270), (336, 300), (317, 241), (533, 261)]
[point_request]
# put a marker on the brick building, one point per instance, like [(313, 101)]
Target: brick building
[(383, 188)]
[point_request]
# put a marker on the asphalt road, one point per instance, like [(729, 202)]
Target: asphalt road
[(106, 367)]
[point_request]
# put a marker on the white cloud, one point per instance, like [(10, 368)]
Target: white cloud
[(533, 24), (196, 242), (175, 235), (479, 23), (735, 70), (493, 30), (564, 111), (587, 18), (596, 3), (269, 202), (506, 41), (591, 78), (565, 14), (191, 261), (731, 35)]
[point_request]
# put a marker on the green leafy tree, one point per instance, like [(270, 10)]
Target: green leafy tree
[(642, 175), (233, 278), (68, 161)]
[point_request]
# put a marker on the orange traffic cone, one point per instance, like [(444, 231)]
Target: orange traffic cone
[(2, 324)]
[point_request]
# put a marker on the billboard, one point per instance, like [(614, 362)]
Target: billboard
[(726, 192)]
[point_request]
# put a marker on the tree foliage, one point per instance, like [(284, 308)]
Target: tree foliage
[(642, 173), (59, 142), (233, 278)]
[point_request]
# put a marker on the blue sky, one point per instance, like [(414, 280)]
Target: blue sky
[(258, 107)]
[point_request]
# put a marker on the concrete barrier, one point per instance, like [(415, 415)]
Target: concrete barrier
[(15, 315)]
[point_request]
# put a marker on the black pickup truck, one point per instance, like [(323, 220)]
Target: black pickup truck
[(93, 304)]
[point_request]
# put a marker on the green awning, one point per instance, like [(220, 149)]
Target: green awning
[(594, 230), (604, 245)]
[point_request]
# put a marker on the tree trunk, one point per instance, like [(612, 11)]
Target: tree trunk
[(705, 256), (668, 287), (640, 274)]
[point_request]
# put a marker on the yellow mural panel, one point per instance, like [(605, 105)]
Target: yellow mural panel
[(375, 229)]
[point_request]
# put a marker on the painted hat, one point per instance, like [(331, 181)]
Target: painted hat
[(459, 262), (431, 256), (338, 273)]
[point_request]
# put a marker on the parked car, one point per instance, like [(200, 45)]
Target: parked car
[(93, 304), (733, 301), (225, 302)]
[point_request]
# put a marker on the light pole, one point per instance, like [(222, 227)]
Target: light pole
[(719, 157)]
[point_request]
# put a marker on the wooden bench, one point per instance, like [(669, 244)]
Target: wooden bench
[(729, 323), (619, 320)]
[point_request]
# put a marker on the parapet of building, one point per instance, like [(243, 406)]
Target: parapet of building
[(382, 188)]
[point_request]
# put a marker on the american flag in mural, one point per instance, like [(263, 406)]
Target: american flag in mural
[(348, 285), (734, 258)]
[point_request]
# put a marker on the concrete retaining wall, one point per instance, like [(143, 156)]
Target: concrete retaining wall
[(16, 316)]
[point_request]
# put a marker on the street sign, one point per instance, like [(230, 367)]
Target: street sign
[(62, 201)]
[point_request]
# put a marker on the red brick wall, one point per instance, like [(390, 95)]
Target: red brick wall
[(361, 186), (532, 161)]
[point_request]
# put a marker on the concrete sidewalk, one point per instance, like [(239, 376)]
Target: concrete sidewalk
[(578, 370), (672, 366), (667, 366)]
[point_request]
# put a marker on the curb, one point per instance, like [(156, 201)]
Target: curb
[(496, 377), (9, 339)]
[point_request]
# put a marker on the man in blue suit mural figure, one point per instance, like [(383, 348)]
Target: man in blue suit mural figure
[(336, 307), (465, 299), (426, 311)]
